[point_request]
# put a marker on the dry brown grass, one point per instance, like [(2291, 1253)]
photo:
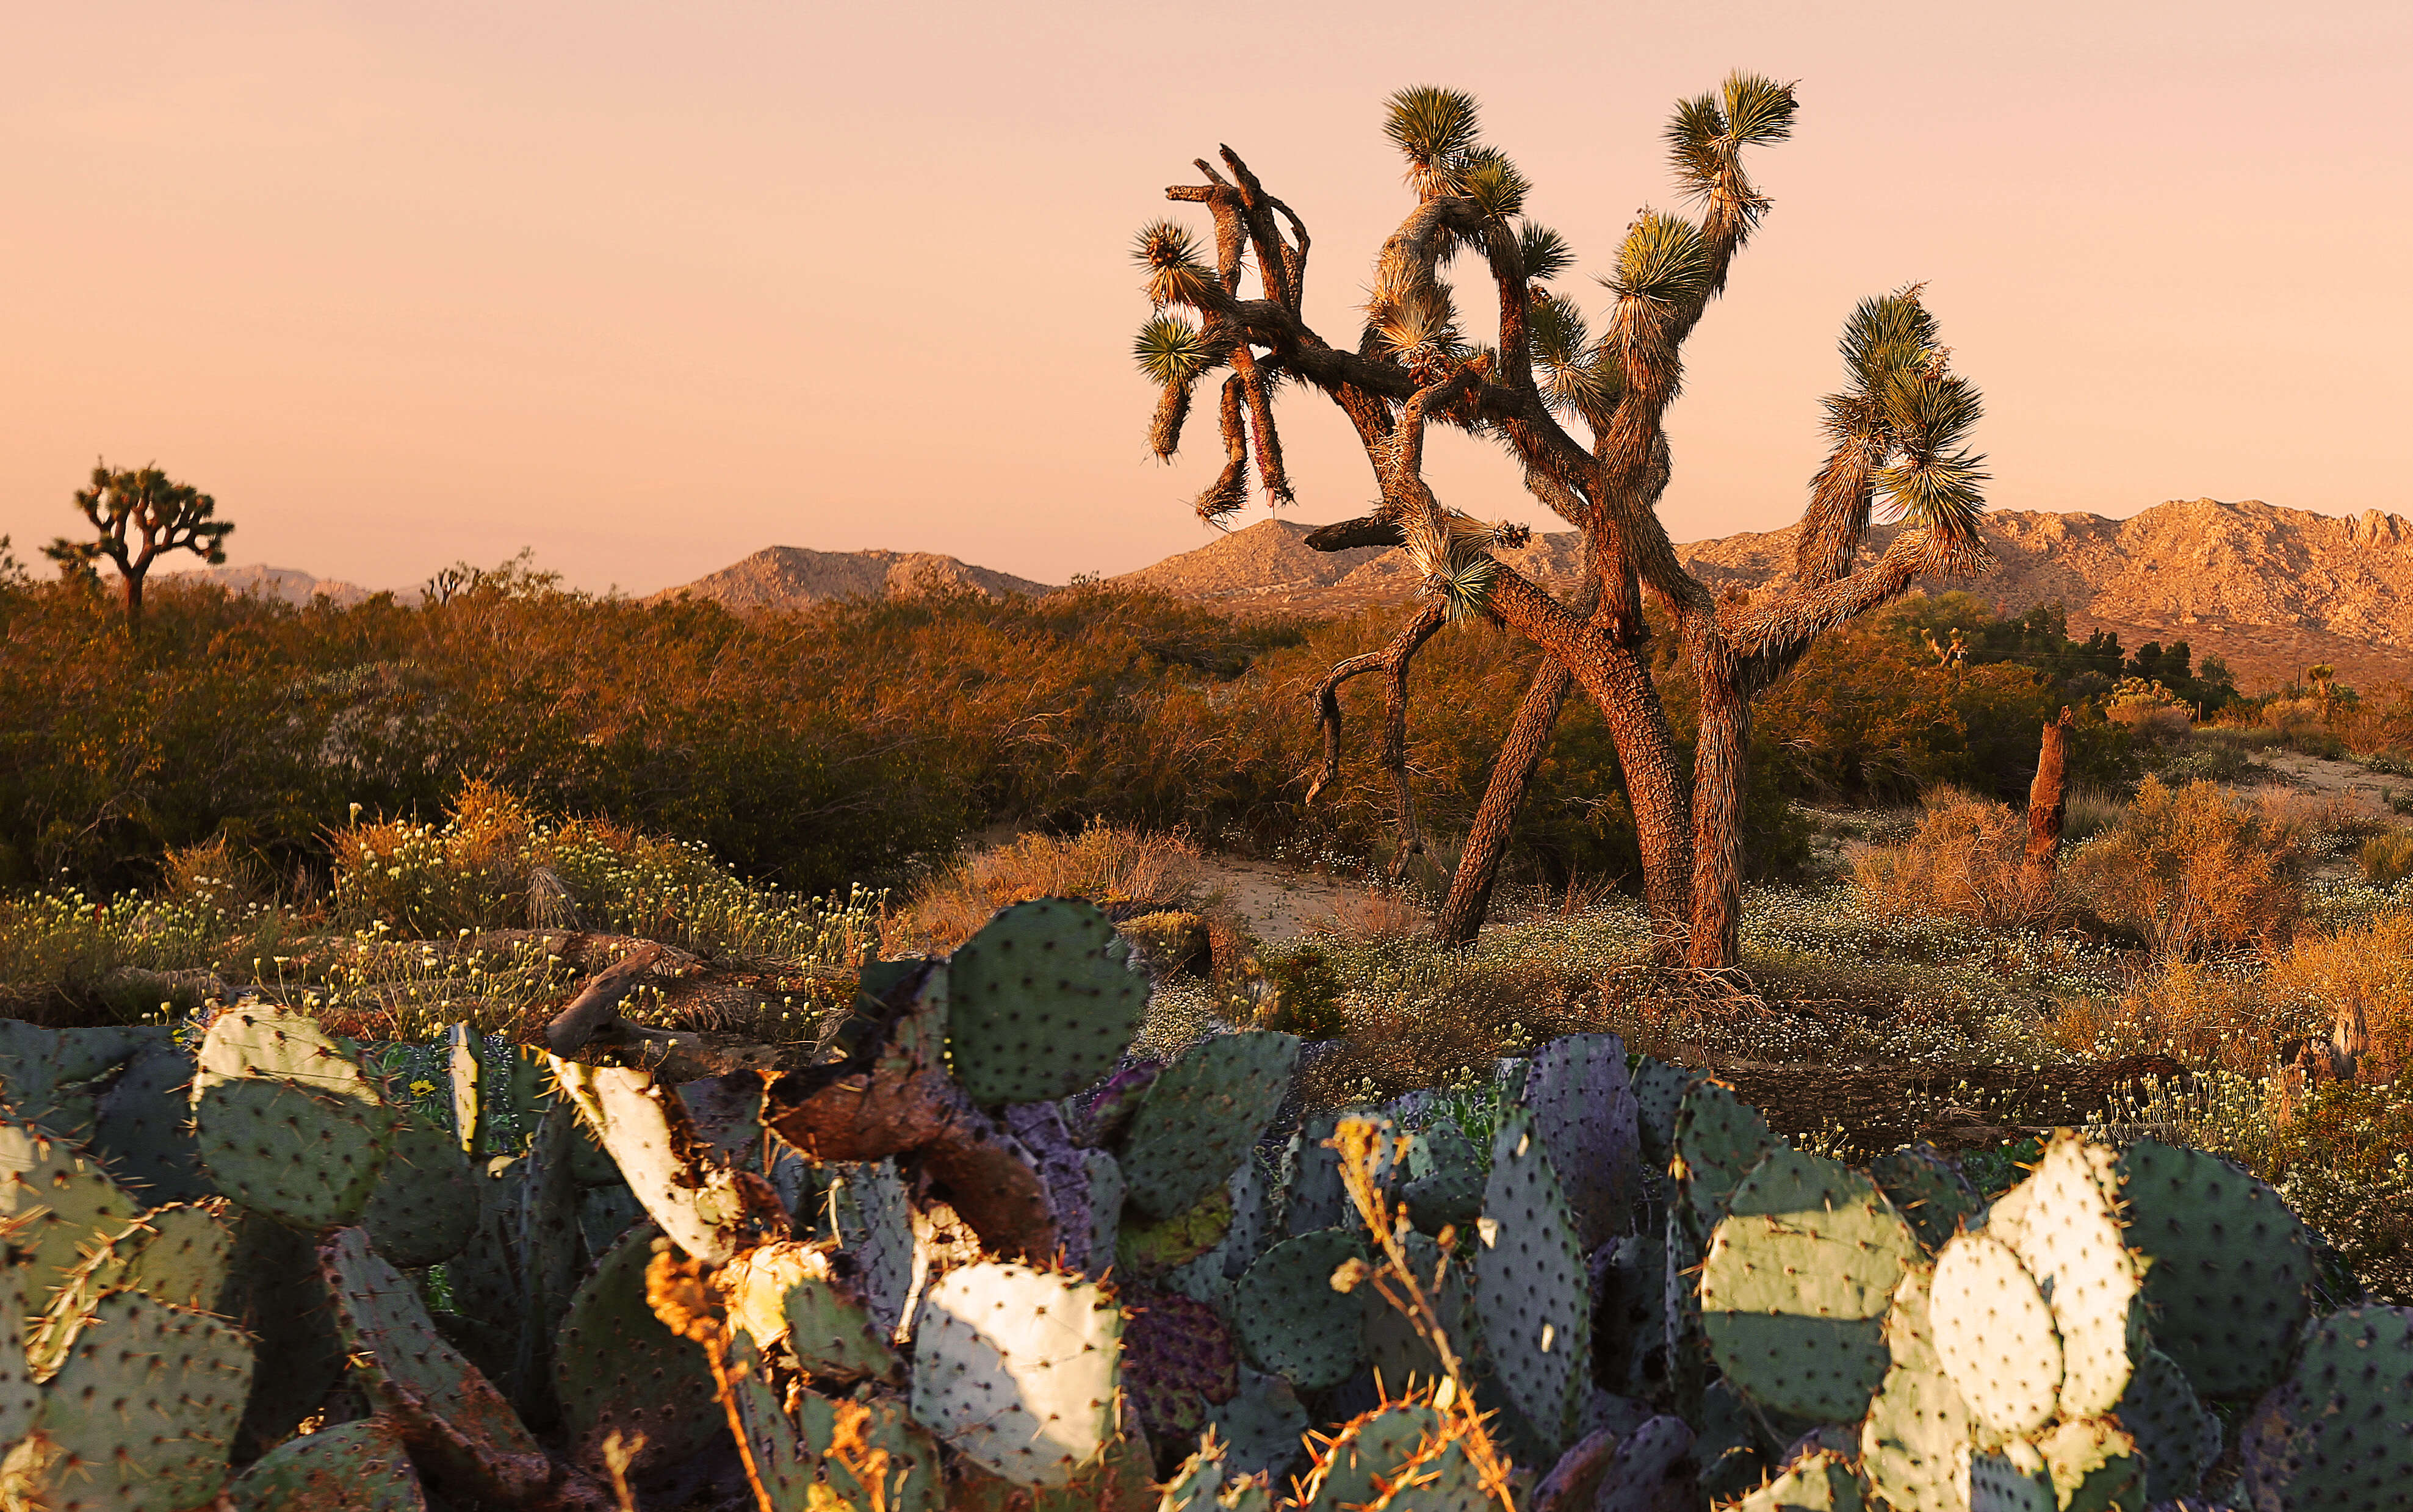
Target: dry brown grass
[(1115, 868), (2359, 980), (1962, 862), (2194, 868), (1377, 915)]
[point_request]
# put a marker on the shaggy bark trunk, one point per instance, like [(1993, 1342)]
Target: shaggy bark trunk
[(1719, 759), (2048, 806), (1486, 840)]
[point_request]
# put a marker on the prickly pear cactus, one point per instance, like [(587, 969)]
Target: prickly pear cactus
[(1821, 1481), (1179, 1363), (2229, 1265), (2094, 1467), (1994, 1334), (1718, 1138), (1263, 1424), (2012, 1478), (424, 1209), (1927, 1190), (1017, 1369), (1917, 1432), (709, 1209), (2337, 1432), (56, 1205), (1585, 1113), (1290, 1319), (1797, 1282), (358, 1467), (177, 1254), (1533, 1288), (1152, 1249), (1201, 1117), (1450, 1191), (871, 1455), (1314, 1197), (410, 1369), (2070, 1240), (144, 1126), (793, 1291), (1040, 1002), (286, 1122), (1659, 1091), (874, 1224), (1368, 1451), (617, 1370), (2178, 1436), (142, 1414)]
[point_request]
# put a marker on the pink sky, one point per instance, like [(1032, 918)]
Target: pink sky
[(649, 287)]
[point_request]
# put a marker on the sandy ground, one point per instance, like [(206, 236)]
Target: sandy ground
[(1284, 902)]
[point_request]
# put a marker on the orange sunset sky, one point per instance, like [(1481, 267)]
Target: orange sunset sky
[(647, 287)]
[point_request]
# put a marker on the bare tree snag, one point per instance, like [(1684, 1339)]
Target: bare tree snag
[(1895, 429), (2047, 808)]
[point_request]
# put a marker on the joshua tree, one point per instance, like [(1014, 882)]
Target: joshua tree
[(1582, 417), (158, 515)]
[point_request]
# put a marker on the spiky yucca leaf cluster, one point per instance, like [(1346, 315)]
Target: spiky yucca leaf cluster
[(1169, 251), (1172, 350), (1707, 136), (1662, 261), (1545, 253), (1576, 376), (1909, 417), (1433, 128)]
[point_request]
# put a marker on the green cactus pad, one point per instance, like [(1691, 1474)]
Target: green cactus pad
[(1370, 1447), (1198, 1485), (1401, 1356), (1263, 1424), (359, 1467), (1179, 1363), (793, 1291), (2337, 1433), (1314, 1197), (2229, 1265), (2094, 1467), (274, 1290), (57, 1205), (1797, 1284), (870, 1456), (43, 1072), (1718, 1138), (1928, 1189), (707, 1207), (1451, 1191), (2177, 1435), (2069, 1240), (1993, 1332), (1154, 1249), (1017, 1369), (1439, 1478), (424, 1209), (1533, 1288), (874, 1226), (1042, 1002), (605, 1214), (285, 1121), (1820, 1481), (2013, 1478), (1919, 1429), (179, 1255), (1202, 1117), (1290, 1320), (144, 1127), (143, 1410), (1659, 1091), (776, 1451), (617, 1370), (395, 1347), (1585, 1113)]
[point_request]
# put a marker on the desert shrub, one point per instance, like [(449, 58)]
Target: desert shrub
[(1118, 869), (2386, 859), (2368, 1217), (1962, 862), (2088, 811), (2390, 764), (2211, 762), (2206, 1014), (2362, 975), (2192, 868), (2146, 708)]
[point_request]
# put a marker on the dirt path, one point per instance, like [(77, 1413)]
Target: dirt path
[(1284, 902)]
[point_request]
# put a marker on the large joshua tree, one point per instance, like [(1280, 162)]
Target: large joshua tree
[(1583, 417)]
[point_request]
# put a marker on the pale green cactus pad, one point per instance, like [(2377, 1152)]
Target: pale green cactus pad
[(1995, 1335), (1819, 1481), (1200, 1119), (1718, 1139), (1042, 1002), (2230, 1269), (1017, 1369), (1369, 1448), (57, 1205), (1584, 1110), (284, 1121), (1797, 1284), (617, 1370), (1533, 1288), (706, 1208), (142, 1414), (358, 1467), (875, 1225), (2069, 1238), (1918, 1431), (2094, 1467)]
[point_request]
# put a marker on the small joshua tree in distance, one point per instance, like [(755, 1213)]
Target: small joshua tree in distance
[(136, 515)]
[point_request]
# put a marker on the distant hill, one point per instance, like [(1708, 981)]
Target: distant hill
[(787, 577), (290, 585)]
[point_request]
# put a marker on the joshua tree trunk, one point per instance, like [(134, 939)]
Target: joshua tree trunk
[(2048, 806), (1487, 839)]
